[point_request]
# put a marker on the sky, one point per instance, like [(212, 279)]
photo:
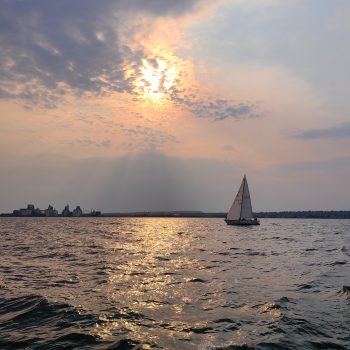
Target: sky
[(146, 105)]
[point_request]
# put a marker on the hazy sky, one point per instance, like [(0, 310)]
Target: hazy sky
[(123, 105)]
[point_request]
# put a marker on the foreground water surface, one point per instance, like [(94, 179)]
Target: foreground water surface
[(148, 283)]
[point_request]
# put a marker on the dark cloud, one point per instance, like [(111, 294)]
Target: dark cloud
[(161, 7), (51, 47), (334, 133), (222, 109), (215, 109)]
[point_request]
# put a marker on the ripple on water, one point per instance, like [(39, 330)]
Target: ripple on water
[(345, 250), (175, 284), (345, 290), (41, 322)]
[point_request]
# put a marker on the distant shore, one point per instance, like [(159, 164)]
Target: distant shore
[(271, 215), (331, 214), (198, 214)]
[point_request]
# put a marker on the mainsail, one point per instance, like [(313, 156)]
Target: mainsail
[(242, 206)]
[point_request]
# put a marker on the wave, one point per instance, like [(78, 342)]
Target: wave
[(345, 291), (33, 322)]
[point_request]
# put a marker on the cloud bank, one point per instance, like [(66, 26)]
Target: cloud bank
[(51, 50), (64, 45), (339, 132)]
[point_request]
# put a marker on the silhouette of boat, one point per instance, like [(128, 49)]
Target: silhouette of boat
[(241, 212)]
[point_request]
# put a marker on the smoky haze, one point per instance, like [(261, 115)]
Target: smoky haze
[(148, 182), (157, 182)]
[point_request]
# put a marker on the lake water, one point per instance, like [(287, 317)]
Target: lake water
[(148, 283)]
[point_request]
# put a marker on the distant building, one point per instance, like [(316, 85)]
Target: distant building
[(29, 211), (66, 211), (38, 212), (93, 213), (25, 212), (77, 211), (50, 211)]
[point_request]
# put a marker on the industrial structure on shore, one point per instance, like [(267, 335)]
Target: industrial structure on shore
[(52, 212)]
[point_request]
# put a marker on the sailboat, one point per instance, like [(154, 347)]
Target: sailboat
[(241, 212)]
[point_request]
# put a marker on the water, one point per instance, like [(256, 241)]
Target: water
[(146, 283)]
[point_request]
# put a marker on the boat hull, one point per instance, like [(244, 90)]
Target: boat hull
[(242, 222)]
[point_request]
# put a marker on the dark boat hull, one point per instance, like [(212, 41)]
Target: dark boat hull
[(242, 222)]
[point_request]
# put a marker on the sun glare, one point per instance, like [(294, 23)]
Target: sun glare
[(156, 79)]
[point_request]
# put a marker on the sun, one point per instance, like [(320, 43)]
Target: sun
[(155, 80)]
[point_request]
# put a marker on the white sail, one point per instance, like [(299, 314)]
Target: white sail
[(242, 206), (235, 210), (246, 210)]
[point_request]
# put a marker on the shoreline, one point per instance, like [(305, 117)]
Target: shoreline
[(332, 214)]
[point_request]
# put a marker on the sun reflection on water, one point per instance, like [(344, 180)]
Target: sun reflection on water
[(159, 265), (162, 284)]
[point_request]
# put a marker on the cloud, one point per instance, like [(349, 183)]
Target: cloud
[(148, 139), (342, 131), (161, 7), (139, 138), (50, 48), (221, 109), (215, 109), (91, 143), (336, 165)]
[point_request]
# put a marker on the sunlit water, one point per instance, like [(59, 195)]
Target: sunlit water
[(110, 283)]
